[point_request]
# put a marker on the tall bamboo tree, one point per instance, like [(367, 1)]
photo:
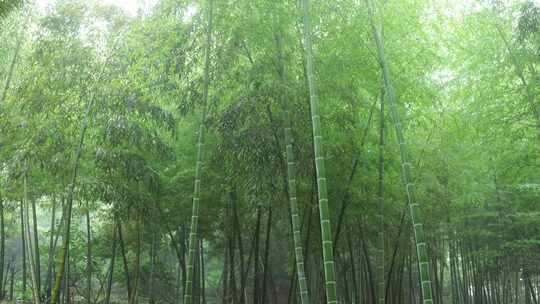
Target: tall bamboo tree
[(380, 195), (111, 266), (36, 246), (193, 237), (88, 256), (414, 207), (2, 248), (23, 242), (69, 207), (73, 181), (291, 179), (29, 243), (52, 247), (326, 231)]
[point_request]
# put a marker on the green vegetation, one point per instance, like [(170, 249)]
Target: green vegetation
[(177, 155)]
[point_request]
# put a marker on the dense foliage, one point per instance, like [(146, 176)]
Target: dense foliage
[(428, 112)]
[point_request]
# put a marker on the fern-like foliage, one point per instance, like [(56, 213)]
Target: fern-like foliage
[(6, 6)]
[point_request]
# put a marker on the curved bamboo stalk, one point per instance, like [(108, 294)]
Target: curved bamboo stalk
[(11, 69)]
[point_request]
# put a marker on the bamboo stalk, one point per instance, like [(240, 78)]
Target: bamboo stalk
[(414, 207), (193, 238), (324, 211)]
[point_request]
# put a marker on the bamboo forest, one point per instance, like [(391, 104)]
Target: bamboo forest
[(270, 151)]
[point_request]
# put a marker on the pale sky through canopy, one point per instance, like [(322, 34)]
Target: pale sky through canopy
[(130, 6)]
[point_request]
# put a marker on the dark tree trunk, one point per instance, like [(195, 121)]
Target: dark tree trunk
[(152, 269), (50, 263), (183, 248), (2, 249), (36, 249), (67, 278), (88, 257), (368, 265), (238, 233), (355, 295), (6, 276), (111, 272), (23, 240), (135, 293), (256, 284), (266, 254), (225, 298), (124, 260), (230, 227), (11, 282), (201, 275)]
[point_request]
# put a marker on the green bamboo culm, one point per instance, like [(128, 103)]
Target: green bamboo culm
[(63, 259), (193, 237), (381, 204), (326, 230), (291, 181), (414, 207)]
